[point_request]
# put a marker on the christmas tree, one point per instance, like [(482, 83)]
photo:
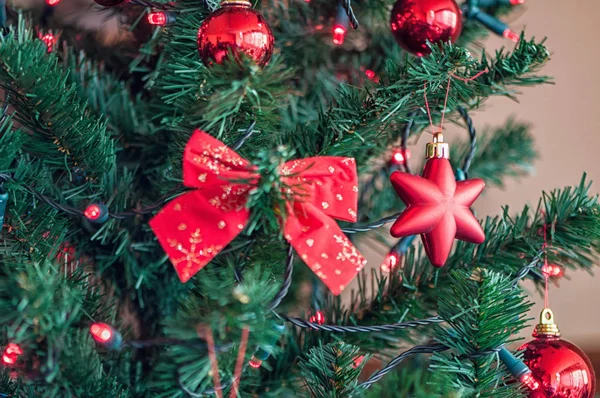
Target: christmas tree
[(184, 205)]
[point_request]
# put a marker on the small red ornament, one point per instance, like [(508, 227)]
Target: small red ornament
[(437, 207), (111, 3), (414, 22), (561, 368), (236, 28), (11, 354)]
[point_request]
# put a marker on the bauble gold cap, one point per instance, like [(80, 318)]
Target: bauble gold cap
[(546, 327)]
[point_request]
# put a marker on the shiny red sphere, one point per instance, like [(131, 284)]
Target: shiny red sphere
[(111, 3), (414, 22), (238, 29), (560, 367)]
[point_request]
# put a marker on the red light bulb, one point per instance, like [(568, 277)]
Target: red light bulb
[(357, 361), (92, 212), (52, 2), (255, 362), (530, 381), (509, 34), (49, 40), (372, 76), (400, 156), (157, 18), (101, 332), (96, 213), (318, 318), (552, 270), (517, 2), (391, 262), (339, 34), (11, 354)]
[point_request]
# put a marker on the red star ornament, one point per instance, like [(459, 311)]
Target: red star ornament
[(438, 208)]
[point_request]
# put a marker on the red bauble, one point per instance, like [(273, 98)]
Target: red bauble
[(560, 367), (236, 28), (437, 207), (111, 3), (414, 22)]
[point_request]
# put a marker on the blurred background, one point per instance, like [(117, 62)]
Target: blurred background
[(566, 125)]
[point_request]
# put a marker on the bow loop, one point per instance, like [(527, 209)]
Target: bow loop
[(328, 182), (194, 227), (207, 162)]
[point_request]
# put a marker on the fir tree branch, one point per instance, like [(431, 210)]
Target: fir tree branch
[(498, 314), (61, 126)]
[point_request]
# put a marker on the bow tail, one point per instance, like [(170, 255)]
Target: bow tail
[(195, 227), (322, 245)]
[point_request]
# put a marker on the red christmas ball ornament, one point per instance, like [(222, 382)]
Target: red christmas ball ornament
[(235, 28), (561, 368), (414, 22), (437, 207)]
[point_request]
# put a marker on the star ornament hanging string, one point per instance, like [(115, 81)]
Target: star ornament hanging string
[(196, 226), (437, 206)]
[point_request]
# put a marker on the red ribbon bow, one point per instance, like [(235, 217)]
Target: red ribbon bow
[(196, 226)]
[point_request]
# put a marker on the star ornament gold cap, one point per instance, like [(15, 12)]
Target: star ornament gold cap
[(546, 327), (438, 149)]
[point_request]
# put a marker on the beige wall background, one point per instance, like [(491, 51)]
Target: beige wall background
[(566, 125)]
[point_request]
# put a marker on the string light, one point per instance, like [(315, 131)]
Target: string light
[(161, 18), (340, 26), (11, 354), (101, 332), (106, 335), (400, 156), (372, 76), (318, 318), (96, 213), (552, 270), (509, 34), (49, 40), (357, 361), (52, 2), (518, 369), (255, 362), (157, 18), (391, 262), (339, 35)]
